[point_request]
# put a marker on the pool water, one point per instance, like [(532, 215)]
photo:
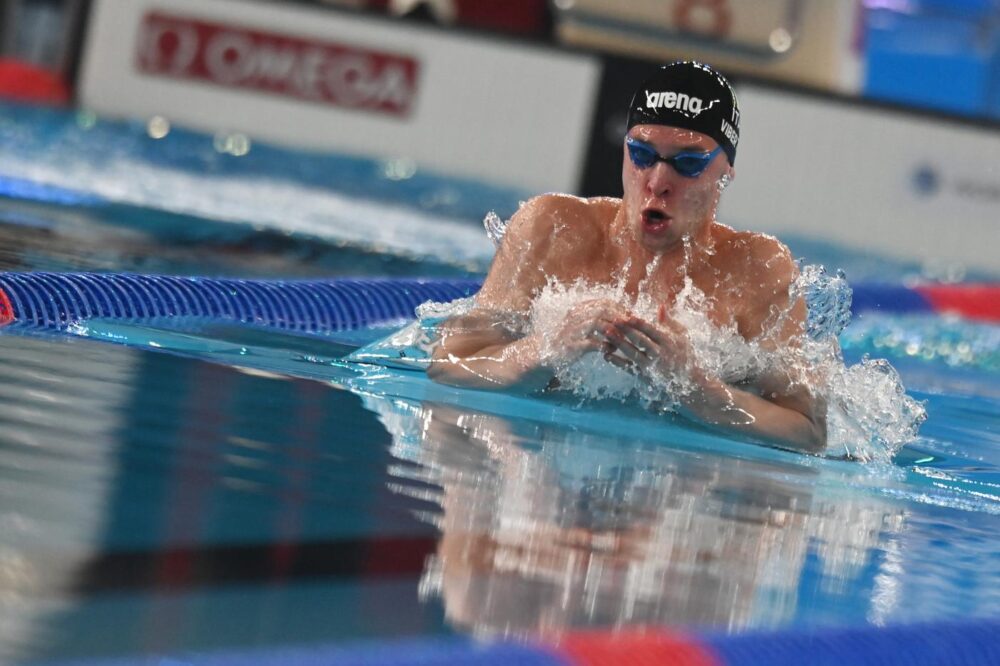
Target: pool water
[(208, 486)]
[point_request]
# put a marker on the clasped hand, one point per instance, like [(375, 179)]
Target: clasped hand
[(627, 341)]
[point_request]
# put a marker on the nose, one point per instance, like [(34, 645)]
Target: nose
[(660, 179)]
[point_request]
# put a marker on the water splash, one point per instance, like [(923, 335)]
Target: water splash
[(722, 352), (496, 227), (828, 301), (869, 415)]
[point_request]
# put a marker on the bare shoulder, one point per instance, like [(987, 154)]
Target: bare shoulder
[(552, 227), (764, 270), (765, 263), (553, 215), (547, 237)]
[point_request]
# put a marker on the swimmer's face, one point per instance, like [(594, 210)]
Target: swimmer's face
[(661, 206)]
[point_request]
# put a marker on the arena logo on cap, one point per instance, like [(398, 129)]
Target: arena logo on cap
[(674, 100)]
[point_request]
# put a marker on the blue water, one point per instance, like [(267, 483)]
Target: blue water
[(206, 486)]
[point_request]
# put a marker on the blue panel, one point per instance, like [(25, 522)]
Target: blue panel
[(933, 61), (971, 644)]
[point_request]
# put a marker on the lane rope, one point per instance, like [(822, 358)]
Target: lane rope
[(57, 300)]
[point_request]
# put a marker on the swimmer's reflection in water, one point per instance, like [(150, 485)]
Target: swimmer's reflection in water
[(659, 255), (546, 528)]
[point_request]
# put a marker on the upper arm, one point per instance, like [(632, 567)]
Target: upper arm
[(775, 313), (776, 318)]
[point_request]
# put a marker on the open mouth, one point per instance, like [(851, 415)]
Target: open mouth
[(655, 221)]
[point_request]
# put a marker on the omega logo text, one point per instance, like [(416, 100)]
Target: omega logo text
[(234, 57)]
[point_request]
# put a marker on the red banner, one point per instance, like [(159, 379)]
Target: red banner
[(235, 57)]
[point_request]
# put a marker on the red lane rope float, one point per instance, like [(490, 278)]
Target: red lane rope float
[(6, 309), (975, 301), (26, 82), (636, 648)]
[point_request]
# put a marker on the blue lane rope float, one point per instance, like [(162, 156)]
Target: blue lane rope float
[(973, 643), (951, 643), (57, 300)]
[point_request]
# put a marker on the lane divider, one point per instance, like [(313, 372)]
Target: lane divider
[(975, 301), (972, 643), (57, 300), (636, 646), (971, 301), (6, 309)]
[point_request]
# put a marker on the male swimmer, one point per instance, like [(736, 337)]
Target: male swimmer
[(679, 150)]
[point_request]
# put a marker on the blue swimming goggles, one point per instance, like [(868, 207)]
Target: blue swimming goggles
[(689, 164)]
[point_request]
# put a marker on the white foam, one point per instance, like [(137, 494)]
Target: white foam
[(869, 414), (267, 203), (721, 351)]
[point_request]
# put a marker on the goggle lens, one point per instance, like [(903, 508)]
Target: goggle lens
[(690, 165), (687, 164), (642, 155)]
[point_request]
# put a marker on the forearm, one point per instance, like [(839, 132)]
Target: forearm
[(726, 407), (517, 364)]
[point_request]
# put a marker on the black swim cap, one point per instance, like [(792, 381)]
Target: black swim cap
[(693, 96)]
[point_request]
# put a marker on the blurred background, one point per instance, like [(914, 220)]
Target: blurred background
[(869, 125)]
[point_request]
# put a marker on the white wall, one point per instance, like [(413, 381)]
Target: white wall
[(505, 113), (848, 174)]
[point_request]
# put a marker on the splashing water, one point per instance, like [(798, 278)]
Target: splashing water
[(869, 416), (828, 301), (496, 227), (591, 376)]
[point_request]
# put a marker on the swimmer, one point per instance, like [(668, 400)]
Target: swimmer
[(678, 156)]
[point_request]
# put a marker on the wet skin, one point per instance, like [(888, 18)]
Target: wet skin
[(662, 230)]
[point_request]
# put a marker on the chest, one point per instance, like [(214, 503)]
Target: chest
[(716, 294)]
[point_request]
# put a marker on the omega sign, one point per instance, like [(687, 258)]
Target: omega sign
[(322, 72)]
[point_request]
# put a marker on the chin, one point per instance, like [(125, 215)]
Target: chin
[(659, 244)]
